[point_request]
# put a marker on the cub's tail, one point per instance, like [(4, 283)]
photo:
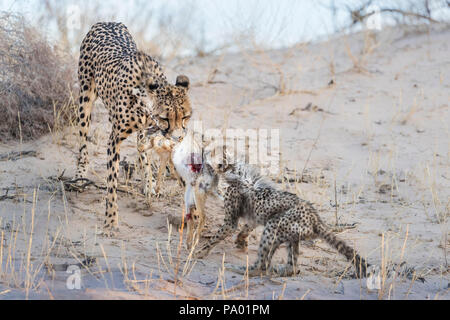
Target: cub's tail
[(350, 253)]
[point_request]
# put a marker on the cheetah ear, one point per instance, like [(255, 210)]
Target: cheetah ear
[(182, 81)]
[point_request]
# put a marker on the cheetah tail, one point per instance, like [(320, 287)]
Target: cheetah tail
[(350, 253)]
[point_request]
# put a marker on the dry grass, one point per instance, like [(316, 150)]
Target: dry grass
[(36, 81)]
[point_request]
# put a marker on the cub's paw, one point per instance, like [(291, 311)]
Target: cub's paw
[(148, 191), (250, 271), (282, 270), (77, 184), (110, 232), (242, 244), (201, 253)]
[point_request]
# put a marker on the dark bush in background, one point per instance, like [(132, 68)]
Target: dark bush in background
[(36, 81)]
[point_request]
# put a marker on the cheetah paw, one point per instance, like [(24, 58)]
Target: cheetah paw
[(149, 191), (200, 254), (283, 270), (110, 233), (148, 197), (156, 194), (241, 245)]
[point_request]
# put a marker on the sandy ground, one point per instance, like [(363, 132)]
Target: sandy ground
[(366, 119)]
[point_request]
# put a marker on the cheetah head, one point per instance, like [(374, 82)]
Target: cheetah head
[(168, 105), (172, 109)]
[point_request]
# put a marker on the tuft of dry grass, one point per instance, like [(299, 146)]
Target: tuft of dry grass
[(36, 81)]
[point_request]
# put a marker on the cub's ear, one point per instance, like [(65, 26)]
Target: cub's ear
[(182, 81)]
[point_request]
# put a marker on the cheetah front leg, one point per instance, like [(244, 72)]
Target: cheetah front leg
[(242, 238), (111, 223), (229, 226), (232, 203), (143, 144)]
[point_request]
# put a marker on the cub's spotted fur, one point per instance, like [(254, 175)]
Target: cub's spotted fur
[(286, 219)]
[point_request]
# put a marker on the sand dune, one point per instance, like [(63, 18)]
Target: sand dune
[(364, 118)]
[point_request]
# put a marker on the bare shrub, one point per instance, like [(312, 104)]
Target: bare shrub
[(164, 32), (405, 12), (36, 81)]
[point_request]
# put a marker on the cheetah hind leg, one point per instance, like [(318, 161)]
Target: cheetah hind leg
[(88, 96), (289, 269), (269, 243), (242, 238)]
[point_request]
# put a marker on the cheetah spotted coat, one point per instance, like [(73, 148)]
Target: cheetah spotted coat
[(286, 219), (137, 96)]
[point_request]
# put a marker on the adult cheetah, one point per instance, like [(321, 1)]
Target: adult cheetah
[(137, 95), (286, 219)]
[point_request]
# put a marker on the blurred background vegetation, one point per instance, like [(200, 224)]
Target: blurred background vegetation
[(167, 28), (39, 40)]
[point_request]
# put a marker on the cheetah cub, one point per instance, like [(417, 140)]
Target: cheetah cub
[(286, 219)]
